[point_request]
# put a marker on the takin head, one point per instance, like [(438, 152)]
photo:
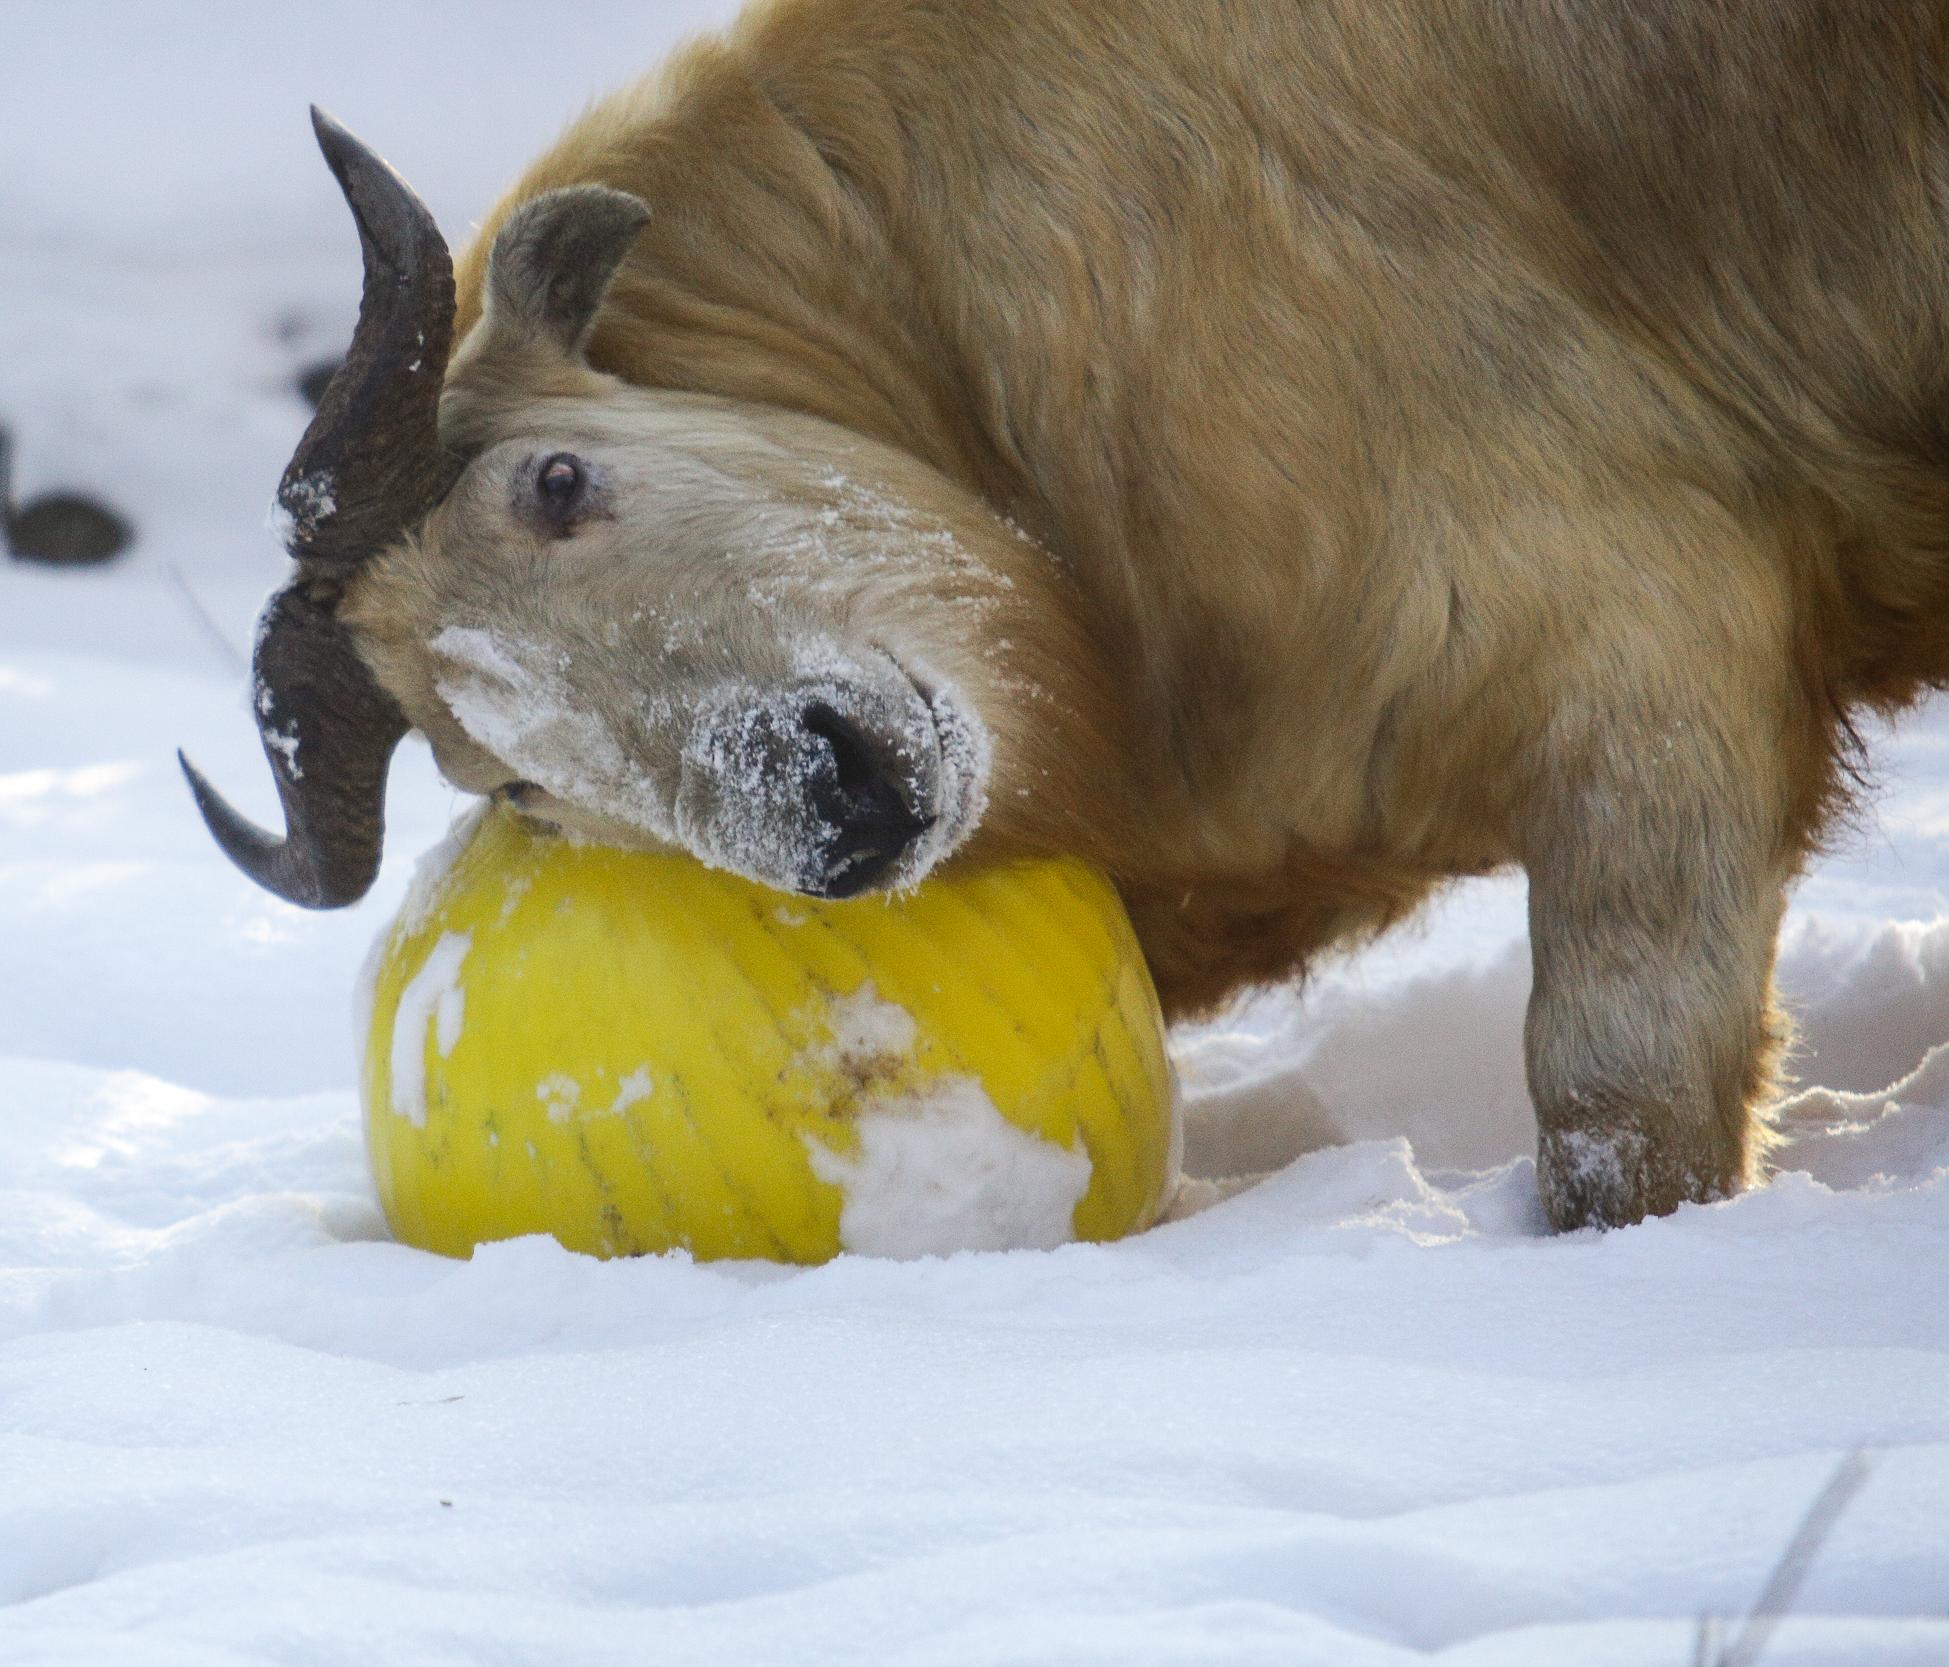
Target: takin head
[(646, 617)]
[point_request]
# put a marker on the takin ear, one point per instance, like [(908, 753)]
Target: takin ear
[(552, 262)]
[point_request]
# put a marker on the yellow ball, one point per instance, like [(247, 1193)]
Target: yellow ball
[(636, 1053)]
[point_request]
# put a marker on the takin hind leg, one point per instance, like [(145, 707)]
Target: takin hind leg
[(1658, 858)]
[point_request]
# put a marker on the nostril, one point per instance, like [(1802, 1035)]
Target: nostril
[(871, 821), (854, 772)]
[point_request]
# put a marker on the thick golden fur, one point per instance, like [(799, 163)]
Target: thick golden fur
[(1452, 433)]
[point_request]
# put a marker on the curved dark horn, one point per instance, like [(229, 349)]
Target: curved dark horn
[(371, 462), (329, 732), (368, 469)]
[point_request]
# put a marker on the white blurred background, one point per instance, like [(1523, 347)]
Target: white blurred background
[(173, 250)]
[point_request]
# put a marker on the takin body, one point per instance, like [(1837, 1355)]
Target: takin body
[(1288, 454)]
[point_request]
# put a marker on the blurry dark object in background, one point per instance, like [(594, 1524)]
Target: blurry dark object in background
[(314, 379), (58, 529)]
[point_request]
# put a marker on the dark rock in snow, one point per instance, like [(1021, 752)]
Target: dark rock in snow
[(314, 378), (58, 529)]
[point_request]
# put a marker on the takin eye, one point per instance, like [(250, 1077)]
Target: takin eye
[(560, 485)]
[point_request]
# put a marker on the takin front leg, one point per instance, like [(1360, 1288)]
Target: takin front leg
[(1657, 877)]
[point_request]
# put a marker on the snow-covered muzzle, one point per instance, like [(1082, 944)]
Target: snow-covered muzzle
[(832, 785), (843, 774)]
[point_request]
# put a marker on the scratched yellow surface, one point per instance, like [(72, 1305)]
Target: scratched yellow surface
[(645, 1047)]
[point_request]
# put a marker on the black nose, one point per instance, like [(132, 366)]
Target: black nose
[(859, 797)]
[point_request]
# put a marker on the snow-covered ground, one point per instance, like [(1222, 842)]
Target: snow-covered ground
[(1365, 1413)]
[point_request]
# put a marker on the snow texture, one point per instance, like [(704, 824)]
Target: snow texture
[(514, 700), (1366, 1413), (944, 1171), (560, 1095), (749, 751), (939, 1169), (431, 997), (301, 505), (636, 1086)]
